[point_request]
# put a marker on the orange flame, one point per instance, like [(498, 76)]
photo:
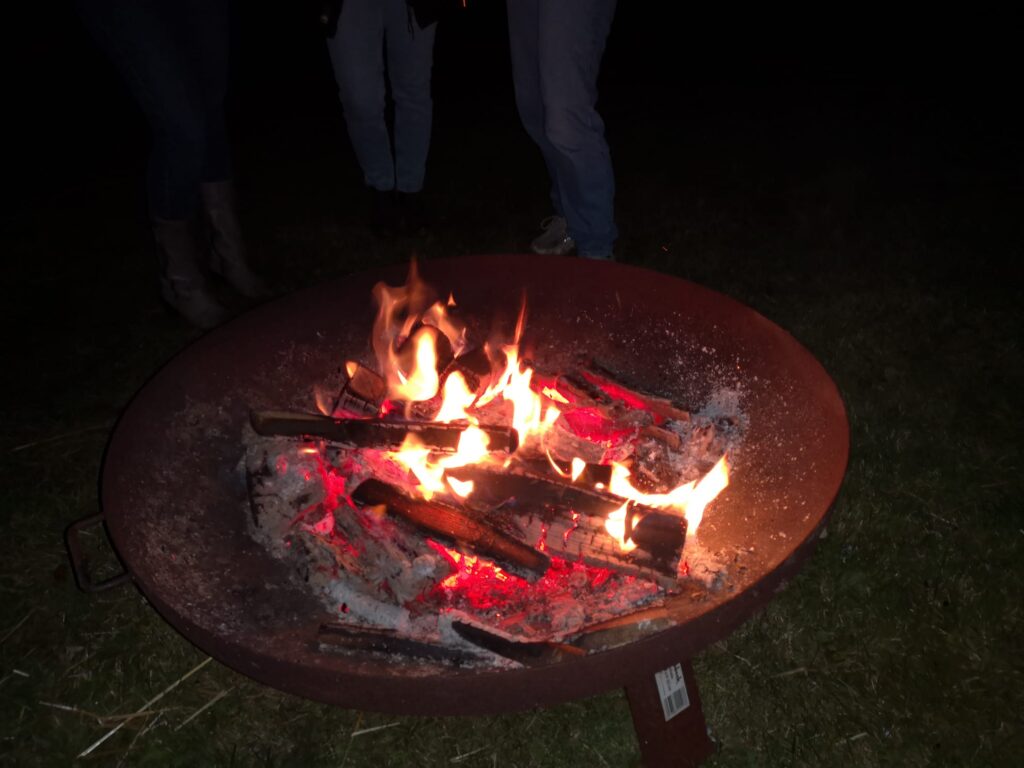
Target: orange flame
[(410, 365), (457, 397), (688, 500), (412, 329), (430, 471), (615, 524)]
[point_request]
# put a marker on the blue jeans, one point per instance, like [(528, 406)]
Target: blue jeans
[(173, 55), (556, 53), (357, 54)]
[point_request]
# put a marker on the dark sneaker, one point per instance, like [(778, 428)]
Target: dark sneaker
[(554, 240)]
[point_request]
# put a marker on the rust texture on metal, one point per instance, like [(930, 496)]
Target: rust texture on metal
[(175, 500)]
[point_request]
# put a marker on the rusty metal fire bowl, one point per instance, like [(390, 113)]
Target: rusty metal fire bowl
[(174, 496)]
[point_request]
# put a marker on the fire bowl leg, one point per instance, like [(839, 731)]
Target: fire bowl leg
[(668, 718)]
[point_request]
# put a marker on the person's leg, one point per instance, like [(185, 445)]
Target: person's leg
[(572, 39), (524, 36), (209, 36), (410, 52), (357, 54), (145, 41)]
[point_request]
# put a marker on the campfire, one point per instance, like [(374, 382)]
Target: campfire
[(456, 500)]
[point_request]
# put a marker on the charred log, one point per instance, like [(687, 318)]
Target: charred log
[(600, 377), (591, 474), (517, 485), (475, 367), (458, 526), (375, 433), (569, 522), (527, 653)]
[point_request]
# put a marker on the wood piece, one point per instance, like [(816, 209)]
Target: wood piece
[(569, 522), (591, 474), (601, 377), (364, 390), (357, 638), (664, 436), (528, 653), (375, 433), (456, 525), (519, 485), (475, 367)]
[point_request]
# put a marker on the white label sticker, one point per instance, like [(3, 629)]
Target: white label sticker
[(672, 690)]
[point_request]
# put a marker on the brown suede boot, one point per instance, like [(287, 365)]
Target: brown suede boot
[(228, 250), (182, 283)]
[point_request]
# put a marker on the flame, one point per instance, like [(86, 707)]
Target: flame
[(468, 567), (461, 488), (437, 316), (615, 524), (456, 398), (554, 465), (554, 394), (688, 500), (707, 489), (410, 364), (429, 471), (323, 400), (414, 335), (421, 382)]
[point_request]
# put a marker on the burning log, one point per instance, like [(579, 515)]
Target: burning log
[(376, 433), (456, 525), (383, 641), (590, 474), (570, 522), (475, 367), (519, 485), (599, 377)]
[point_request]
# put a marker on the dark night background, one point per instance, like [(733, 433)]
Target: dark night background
[(855, 174), (910, 105)]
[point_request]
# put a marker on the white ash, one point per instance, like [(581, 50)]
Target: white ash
[(374, 582)]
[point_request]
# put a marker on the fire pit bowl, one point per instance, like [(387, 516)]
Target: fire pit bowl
[(175, 500)]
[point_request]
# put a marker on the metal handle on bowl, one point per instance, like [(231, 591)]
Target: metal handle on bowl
[(79, 563)]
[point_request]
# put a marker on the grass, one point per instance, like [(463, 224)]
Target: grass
[(892, 252)]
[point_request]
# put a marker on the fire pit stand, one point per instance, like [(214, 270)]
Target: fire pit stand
[(174, 498), (668, 718)]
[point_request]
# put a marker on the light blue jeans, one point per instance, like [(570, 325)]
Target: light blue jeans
[(556, 53), (357, 54)]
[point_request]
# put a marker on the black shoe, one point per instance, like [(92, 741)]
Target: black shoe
[(412, 213)]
